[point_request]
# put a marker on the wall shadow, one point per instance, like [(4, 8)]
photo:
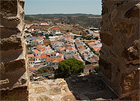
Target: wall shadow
[(88, 87)]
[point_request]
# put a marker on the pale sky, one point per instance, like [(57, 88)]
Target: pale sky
[(62, 6)]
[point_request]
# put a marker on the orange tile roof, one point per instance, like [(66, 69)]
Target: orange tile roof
[(60, 54), (48, 53), (37, 40), (39, 45), (35, 23), (70, 49), (90, 43), (43, 55), (77, 58), (41, 48), (58, 23), (90, 66), (37, 56), (35, 51), (53, 53), (93, 40), (55, 28), (62, 49), (44, 31), (96, 32), (49, 59), (32, 67), (93, 45), (56, 61), (80, 46), (56, 38), (90, 31), (82, 49), (59, 47), (95, 48), (30, 55), (76, 39), (54, 42), (88, 35)]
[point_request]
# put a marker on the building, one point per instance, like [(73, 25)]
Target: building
[(55, 31), (88, 68), (44, 23)]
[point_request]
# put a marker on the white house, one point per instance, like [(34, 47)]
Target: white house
[(44, 23), (44, 32), (53, 54), (38, 58), (55, 30), (31, 62), (36, 41)]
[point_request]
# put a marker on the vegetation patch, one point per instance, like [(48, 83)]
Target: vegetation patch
[(70, 66)]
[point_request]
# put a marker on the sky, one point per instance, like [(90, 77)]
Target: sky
[(62, 6)]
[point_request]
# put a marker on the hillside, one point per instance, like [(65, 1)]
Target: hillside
[(86, 20)]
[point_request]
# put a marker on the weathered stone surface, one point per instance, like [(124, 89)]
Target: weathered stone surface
[(10, 55), (119, 59), (55, 90), (13, 42), (9, 7), (40, 90), (13, 69), (43, 98), (68, 98), (7, 32), (17, 94)]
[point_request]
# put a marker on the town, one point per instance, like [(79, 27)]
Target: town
[(47, 47)]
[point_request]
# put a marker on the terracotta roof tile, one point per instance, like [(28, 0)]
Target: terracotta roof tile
[(37, 56), (43, 55), (32, 67), (35, 51), (30, 55)]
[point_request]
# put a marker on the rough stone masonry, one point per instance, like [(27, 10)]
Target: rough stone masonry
[(120, 54), (119, 60), (13, 67)]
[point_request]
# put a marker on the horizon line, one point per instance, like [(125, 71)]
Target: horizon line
[(62, 13)]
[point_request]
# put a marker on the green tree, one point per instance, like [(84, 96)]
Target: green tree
[(42, 70), (96, 68), (67, 31), (70, 66), (75, 37), (47, 36), (96, 38)]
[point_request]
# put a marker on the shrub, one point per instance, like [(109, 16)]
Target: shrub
[(96, 68)]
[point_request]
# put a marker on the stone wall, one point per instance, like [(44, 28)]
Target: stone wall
[(13, 68), (120, 54)]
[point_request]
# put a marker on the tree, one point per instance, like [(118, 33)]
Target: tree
[(70, 66), (96, 38), (42, 70), (96, 68), (75, 37), (67, 31), (47, 36)]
